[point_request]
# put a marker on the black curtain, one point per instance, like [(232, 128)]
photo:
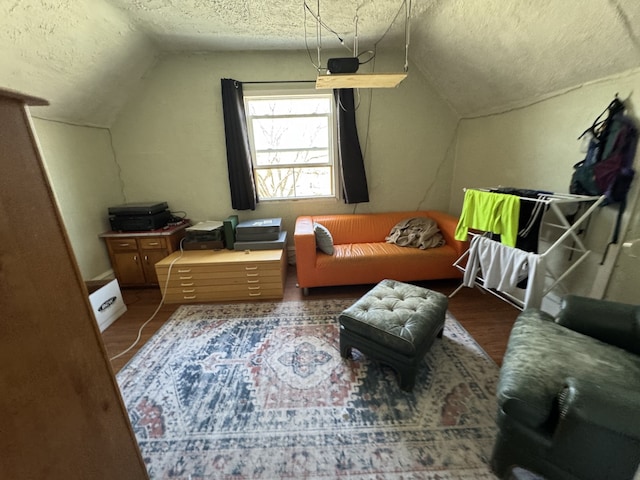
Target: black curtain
[(354, 178), (241, 181)]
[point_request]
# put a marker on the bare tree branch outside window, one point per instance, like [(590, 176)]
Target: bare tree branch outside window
[(292, 145)]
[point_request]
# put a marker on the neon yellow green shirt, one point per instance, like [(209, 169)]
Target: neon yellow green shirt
[(490, 212)]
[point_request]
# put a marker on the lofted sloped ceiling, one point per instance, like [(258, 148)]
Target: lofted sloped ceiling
[(483, 56), (490, 55), (83, 56)]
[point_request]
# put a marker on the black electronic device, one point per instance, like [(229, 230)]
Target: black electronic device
[(141, 208), (208, 235), (139, 217), (265, 229), (343, 65), (139, 223), (216, 235), (202, 245)]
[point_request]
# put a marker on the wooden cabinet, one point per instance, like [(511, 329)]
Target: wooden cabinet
[(134, 254), (61, 413), (204, 276)]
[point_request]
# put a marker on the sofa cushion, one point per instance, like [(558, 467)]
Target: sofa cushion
[(324, 240), (371, 262)]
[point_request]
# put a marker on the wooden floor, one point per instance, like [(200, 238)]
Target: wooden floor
[(487, 318)]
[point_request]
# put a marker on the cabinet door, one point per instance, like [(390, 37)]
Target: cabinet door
[(149, 260), (129, 268)]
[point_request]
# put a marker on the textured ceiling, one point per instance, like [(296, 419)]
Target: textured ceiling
[(263, 24), (486, 55), (483, 56)]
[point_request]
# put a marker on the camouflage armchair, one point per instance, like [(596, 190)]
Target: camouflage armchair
[(569, 393)]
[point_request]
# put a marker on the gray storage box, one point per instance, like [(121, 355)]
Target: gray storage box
[(253, 237), (259, 229), (280, 243)]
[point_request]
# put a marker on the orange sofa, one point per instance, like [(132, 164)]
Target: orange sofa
[(362, 256)]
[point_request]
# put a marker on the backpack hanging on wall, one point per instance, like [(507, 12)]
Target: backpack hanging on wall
[(607, 168)]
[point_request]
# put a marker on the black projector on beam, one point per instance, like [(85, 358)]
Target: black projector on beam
[(343, 65)]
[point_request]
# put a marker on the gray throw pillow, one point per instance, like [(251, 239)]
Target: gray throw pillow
[(324, 240)]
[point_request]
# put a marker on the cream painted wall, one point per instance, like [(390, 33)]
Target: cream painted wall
[(169, 140), (85, 182), (536, 147), (625, 280)]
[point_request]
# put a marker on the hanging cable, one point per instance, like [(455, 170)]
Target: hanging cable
[(319, 24), (403, 5), (370, 52), (153, 315), (324, 25), (306, 43), (319, 35), (355, 37), (407, 33), (356, 105)]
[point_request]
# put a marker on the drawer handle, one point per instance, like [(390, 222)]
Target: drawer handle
[(253, 281), (251, 268), (123, 244), (191, 297), (153, 244), (186, 270), (190, 284), (252, 274), (254, 288), (186, 278), (191, 290), (254, 294)]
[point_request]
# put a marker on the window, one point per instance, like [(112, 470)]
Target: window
[(292, 144)]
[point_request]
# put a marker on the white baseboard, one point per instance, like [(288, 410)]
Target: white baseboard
[(108, 275)]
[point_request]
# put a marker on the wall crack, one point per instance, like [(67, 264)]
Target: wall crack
[(446, 156), (626, 24)]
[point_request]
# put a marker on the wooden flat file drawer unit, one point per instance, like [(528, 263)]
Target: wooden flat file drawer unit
[(205, 276)]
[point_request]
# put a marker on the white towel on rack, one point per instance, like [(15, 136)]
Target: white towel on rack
[(503, 267)]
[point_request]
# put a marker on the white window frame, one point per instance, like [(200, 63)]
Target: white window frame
[(261, 94)]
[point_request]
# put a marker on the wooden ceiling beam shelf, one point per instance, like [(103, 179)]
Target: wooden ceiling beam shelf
[(360, 80)]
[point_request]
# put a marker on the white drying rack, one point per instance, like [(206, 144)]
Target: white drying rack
[(552, 202)]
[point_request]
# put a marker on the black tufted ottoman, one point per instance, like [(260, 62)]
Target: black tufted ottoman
[(395, 323)]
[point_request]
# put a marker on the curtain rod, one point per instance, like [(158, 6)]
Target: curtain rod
[(279, 81)]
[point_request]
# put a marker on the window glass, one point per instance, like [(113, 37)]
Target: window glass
[(292, 143)]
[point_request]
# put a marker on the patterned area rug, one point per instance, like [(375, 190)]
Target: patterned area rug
[(259, 391)]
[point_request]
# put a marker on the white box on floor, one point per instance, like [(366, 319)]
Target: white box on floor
[(107, 304)]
